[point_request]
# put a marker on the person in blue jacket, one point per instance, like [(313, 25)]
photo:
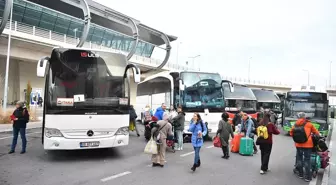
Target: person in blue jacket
[(247, 128), (198, 130), (159, 112)]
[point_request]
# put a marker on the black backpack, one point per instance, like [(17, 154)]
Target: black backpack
[(299, 133)]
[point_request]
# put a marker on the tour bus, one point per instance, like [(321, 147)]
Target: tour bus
[(199, 92), (310, 100), (267, 99), (87, 99), (242, 99)]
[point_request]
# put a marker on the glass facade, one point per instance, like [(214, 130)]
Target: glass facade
[(39, 16)]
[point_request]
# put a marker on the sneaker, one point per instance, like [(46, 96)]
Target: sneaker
[(300, 176), (22, 152), (262, 172), (307, 180), (10, 152)]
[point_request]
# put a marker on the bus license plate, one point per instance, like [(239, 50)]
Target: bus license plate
[(89, 144)]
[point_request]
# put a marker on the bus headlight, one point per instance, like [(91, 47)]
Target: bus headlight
[(122, 131), (52, 132)]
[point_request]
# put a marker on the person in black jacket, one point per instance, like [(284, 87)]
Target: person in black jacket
[(20, 119), (178, 123), (133, 117)]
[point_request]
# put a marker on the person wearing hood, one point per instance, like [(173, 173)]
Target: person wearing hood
[(20, 118), (303, 149), (247, 127), (178, 123), (159, 112), (225, 131)]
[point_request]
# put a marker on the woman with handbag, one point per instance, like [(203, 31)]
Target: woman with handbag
[(161, 131), (265, 141), (224, 131)]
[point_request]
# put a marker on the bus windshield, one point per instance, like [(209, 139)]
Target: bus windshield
[(314, 105), (82, 79), (203, 90), (266, 96), (243, 105), (241, 99)]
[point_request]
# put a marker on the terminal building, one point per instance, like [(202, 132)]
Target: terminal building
[(40, 25)]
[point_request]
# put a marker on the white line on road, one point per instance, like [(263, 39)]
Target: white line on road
[(115, 176), (210, 146), (186, 154), (2, 138)]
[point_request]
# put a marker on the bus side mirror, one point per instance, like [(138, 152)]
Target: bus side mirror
[(231, 87), (136, 75), (181, 85), (41, 67), (136, 72)]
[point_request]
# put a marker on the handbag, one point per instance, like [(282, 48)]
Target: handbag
[(151, 147), (217, 142), (131, 126)]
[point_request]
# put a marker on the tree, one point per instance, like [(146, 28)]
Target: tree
[(28, 92)]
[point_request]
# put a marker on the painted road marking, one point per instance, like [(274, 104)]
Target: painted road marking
[(26, 135), (186, 154), (210, 146), (115, 176)]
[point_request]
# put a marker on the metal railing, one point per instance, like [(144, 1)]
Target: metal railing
[(67, 39)]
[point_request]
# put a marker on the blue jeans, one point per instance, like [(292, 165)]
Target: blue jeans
[(303, 161), (15, 137), (197, 156), (179, 135)]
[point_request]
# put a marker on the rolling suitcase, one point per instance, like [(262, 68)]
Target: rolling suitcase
[(235, 143), (246, 146)]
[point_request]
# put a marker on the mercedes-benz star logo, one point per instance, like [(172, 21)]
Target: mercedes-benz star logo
[(90, 133)]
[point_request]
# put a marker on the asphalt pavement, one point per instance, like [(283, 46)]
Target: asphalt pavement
[(130, 166)]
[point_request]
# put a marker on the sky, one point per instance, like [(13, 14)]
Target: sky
[(283, 40)]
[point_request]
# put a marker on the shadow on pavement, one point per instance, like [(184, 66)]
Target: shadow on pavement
[(82, 155)]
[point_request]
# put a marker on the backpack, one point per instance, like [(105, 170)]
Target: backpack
[(299, 133), (262, 132)]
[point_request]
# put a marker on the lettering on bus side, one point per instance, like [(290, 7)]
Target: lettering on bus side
[(65, 102)]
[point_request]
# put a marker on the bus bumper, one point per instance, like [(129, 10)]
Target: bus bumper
[(61, 143)]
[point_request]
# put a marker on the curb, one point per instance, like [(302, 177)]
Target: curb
[(326, 172), (10, 130)]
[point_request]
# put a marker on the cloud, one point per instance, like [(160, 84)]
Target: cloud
[(282, 36)]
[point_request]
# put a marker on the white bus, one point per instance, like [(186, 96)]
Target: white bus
[(195, 91), (311, 100), (86, 99)]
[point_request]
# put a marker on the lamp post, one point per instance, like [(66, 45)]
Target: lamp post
[(330, 73), (308, 74), (193, 59), (249, 69)]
